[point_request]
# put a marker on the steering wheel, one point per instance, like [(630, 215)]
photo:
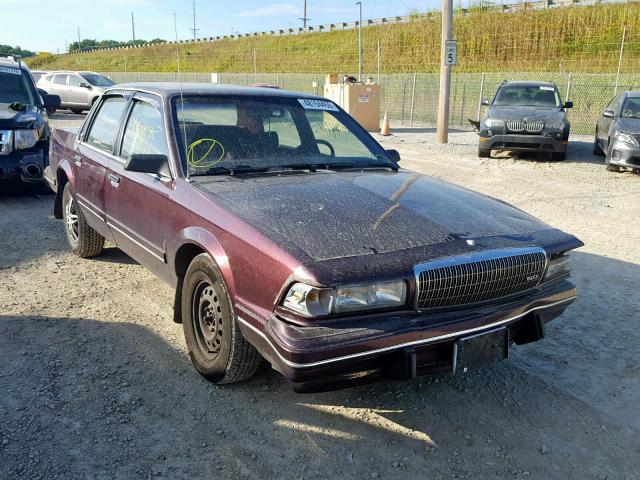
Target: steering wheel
[(332, 151)]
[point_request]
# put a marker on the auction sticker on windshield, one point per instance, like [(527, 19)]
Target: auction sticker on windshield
[(312, 104), (548, 89), (15, 71)]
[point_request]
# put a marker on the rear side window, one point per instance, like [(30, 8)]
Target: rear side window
[(144, 134), (105, 126), (60, 79)]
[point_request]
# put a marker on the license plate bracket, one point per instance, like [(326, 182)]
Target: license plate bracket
[(481, 349)]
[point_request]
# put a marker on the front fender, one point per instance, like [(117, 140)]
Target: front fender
[(64, 174)]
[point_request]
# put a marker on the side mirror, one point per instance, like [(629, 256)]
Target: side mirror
[(568, 104), (154, 164), (608, 114), (51, 101), (84, 85), (394, 154), (485, 103)]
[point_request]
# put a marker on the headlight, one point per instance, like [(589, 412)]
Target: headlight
[(493, 123), (626, 138), (313, 301), (555, 125), (25, 139), (558, 267)]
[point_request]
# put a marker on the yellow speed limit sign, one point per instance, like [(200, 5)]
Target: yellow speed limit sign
[(450, 52)]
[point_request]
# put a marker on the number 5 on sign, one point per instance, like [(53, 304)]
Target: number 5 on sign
[(450, 52)]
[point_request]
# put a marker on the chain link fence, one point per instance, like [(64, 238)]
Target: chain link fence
[(412, 99)]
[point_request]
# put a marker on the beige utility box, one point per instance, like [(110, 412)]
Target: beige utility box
[(361, 101)]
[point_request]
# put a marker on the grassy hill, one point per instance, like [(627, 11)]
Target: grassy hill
[(577, 38)]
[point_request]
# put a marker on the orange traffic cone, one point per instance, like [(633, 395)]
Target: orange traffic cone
[(385, 130)]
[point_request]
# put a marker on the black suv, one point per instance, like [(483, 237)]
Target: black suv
[(24, 129), (525, 116)]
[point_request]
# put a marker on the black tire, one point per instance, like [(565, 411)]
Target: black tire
[(484, 153), (217, 348), (77, 111), (612, 168), (83, 240), (608, 166), (559, 156), (597, 151), (51, 111)]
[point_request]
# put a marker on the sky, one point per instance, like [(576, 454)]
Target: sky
[(41, 25)]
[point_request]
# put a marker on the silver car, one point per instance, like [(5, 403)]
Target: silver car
[(618, 132), (77, 90)]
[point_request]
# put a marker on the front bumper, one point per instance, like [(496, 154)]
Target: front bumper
[(24, 165), (624, 155), (400, 346), (524, 143)]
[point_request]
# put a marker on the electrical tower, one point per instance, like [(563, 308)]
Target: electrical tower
[(133, 28), (304, 16), (194, 29)]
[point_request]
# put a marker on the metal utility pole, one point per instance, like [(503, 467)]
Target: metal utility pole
[(304, 16), (78, 38), (194, 29), (624, 33), (133, 28), (442, 132), (359, 4)]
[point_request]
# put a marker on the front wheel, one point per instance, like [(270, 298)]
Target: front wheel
[(484, 153), (597, 151), (83, 240), (217, 348)]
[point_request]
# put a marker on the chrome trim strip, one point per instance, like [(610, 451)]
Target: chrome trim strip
[(400, 345), (111, 225)]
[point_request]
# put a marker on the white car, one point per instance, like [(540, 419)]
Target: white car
[(77, 90)]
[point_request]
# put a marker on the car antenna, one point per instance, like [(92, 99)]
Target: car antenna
[(184, 130)]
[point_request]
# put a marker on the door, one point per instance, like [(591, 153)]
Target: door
[(58, 86), (604, 123), (138, 205), (92, 154), (78, 95)]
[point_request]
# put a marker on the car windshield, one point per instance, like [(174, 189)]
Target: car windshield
[(631, 108), (527, 95), (97, 80), (15, 87), (226, 134)]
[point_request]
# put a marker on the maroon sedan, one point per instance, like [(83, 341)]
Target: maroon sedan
[(291, 235)]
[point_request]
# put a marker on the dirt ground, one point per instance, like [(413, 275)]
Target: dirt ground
[(95, 382)]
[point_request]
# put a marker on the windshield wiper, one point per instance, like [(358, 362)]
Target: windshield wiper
[(240, 169)]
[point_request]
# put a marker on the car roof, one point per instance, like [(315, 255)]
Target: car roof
[(170, 89), (529, 83), (11, 62)]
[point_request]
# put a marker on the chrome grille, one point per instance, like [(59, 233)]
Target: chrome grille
[(515, 125), (478, 277), (533, 127)]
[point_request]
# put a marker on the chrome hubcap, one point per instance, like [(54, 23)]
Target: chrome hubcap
[(71, 218)]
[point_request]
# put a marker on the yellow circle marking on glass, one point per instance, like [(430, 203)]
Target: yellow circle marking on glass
[(202, 162)]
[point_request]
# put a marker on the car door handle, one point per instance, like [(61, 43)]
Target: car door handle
[(114, 179), (78, 159)]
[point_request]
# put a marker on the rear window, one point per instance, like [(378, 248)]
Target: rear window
[(15, 86)]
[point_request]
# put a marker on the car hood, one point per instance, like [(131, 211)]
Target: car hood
[(525, 113), (10, 119), (628, 125), (330, 215)]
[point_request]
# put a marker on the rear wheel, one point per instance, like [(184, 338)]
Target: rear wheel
[(83, 240), (217, 348)]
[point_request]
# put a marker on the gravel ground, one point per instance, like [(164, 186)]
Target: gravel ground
[(95, 382)]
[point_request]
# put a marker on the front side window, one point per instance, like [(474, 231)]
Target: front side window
[(144, 133), (527, 95), (15, 87), (105, 125), (74, 80), (222, 132)]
